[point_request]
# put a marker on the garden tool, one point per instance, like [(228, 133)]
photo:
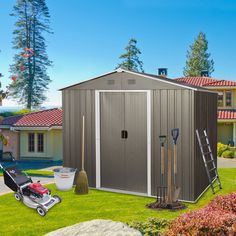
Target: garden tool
[(82, 179), (169, 179), (175, 135), (162, 189)]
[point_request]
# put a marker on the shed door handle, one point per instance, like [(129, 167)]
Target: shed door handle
[(124, 134)]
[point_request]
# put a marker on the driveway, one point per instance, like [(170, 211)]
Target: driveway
[(226, 163), (4, 189)]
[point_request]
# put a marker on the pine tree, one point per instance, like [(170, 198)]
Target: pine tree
[(130, 58), (198, 59), (30, 80)]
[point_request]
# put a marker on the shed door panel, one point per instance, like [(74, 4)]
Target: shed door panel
[(112, 146), (124, 161), (136, 143)]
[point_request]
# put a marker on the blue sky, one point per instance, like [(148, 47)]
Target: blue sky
[(89, 36)]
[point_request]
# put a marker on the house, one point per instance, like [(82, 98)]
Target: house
[(226, 90), (125, 113), (36, 135)]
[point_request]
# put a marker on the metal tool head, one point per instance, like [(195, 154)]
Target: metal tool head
[(162, 139), (175, 134)]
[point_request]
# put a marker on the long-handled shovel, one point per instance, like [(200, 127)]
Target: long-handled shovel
[(175, 135)]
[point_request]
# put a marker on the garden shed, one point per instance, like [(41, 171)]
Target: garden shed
[(125, 113)]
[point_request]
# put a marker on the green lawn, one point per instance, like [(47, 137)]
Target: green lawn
[(17, 219), (45, 173)]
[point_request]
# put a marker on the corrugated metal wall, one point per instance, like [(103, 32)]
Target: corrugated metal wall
[(205, 118), (77, 103), (172, 109)]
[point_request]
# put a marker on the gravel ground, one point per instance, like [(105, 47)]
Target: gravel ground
[(4, 189), (226, 163)]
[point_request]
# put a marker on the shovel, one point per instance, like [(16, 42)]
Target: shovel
[(175, 135)]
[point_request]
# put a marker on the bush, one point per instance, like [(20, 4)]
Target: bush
[(217, 218), (224, 203), (221, 148), (228, 154), (153, 226)]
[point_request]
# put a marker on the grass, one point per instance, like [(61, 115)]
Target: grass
[(17, 219), (45, 173)]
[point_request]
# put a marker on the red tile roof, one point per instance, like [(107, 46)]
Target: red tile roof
[(205, 81), (196, 81), (44, 118), (221, 83), (227, 114)]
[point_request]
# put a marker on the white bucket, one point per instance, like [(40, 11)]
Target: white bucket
[(64, 178)]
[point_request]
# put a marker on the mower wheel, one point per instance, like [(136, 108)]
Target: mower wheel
[(18, 197), (58, 198), (41, 211)]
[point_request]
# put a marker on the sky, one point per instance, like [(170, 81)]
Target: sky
[(90, 35)]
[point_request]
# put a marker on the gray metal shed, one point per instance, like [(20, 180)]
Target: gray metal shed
[(146, 106)]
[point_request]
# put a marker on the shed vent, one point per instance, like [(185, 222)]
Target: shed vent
[(131, 81), (111, 81)]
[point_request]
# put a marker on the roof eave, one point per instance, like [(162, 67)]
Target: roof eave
[(37, 127), (226, 120), (219, 87)]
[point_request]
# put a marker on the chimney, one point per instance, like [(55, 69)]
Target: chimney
[(204, 73), (162, 72)]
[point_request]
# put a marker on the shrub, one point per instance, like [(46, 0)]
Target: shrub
[(217, 218), (153, 226), (228, 154), (203, 222), (221, 148), (224, 203)]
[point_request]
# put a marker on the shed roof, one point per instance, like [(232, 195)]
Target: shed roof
[(148, 76)]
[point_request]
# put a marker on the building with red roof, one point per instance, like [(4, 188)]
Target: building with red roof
[(37, 135), (226, 104)]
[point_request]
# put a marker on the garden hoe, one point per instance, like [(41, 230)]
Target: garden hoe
[(81, 186), (161, 191), (175, 135)]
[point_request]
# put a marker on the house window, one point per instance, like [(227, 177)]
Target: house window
[(31, 142), (40, 142), (228, 98), (220, 99)]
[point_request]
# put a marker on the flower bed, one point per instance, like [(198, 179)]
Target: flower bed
[(217, 218)]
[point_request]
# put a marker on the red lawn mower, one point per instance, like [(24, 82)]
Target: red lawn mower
[(33, 195)]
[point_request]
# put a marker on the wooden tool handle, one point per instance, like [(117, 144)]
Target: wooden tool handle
[(175, 159), (169, 176), (82, 157), (162, 160)]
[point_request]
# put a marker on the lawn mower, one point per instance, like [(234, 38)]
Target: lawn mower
[(33, 195)]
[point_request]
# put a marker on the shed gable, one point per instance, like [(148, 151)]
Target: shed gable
[(125, 81)]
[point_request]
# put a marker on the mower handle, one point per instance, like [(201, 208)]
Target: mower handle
[(1, 167), (175, 134)]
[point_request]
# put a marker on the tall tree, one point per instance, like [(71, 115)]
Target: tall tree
[(30, 80), (198, 59), (130, 59)]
